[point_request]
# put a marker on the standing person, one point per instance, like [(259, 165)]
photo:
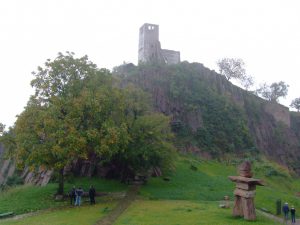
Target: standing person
[(286, 209), (293, 214), (92, 193), (72, 195), (79, 193)]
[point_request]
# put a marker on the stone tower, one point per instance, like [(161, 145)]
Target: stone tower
[(150, 49)]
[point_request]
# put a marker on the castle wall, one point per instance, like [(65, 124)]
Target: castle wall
[(149, 45), (150, 49), (170, 56)]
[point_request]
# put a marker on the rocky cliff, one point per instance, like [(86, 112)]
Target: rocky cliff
[(8, 169), (192, 94)]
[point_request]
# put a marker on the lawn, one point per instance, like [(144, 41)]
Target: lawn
[(24, 199), (84, 215), (208, 181), (181, 212), (190, 194)]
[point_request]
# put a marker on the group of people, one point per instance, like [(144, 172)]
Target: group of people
[(286, 210), (76, 194)]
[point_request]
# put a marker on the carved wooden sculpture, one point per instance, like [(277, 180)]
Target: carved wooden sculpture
[(244, 192)]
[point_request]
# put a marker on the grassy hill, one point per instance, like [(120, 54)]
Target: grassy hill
[(191, 193), (208, 181)]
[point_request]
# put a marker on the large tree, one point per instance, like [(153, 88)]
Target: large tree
[(296, 104), (2, 128), (274, 91), (234, 68), (79, 110)]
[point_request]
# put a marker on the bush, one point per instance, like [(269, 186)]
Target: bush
[(270, 172), (14, 180)]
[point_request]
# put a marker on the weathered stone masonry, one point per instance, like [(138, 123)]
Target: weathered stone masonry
[(150, 49)]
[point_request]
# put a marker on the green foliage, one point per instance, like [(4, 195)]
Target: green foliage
[(224, 125), (296, 104), (78, 110), (8, 140), (14, 180), (279, 134), (2, 128), (234, 69), (273, 91)]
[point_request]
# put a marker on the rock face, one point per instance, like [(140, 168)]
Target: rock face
[(274, 132), (7, 167)]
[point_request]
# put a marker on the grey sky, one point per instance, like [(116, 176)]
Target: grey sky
[(265, 33)]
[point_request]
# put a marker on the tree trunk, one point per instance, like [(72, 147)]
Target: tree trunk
[(60, 190)]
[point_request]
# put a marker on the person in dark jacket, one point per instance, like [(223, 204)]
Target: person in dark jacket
[(79, 193), (293, 214), (92, 194), (72, 195), (286, 209)]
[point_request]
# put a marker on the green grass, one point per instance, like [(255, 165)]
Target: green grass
[(191, 196), (85, 215), (210, 183), (180, 212), (24, 199)]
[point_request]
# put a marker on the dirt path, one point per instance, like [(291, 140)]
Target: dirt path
[(278, 219), (121, 207)]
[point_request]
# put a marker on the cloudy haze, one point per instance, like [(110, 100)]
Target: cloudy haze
[(265, 34)]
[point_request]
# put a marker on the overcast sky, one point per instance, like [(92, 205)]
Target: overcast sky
[(264, 33)]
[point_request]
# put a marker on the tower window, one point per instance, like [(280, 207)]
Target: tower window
[(150, 27)]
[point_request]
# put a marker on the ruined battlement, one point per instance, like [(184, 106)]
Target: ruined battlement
[(150, 49)]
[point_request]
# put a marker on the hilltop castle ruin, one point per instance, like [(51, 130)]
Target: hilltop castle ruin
[(150, 49)]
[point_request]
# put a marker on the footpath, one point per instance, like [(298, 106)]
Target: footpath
[(121, 207), (278, 219)]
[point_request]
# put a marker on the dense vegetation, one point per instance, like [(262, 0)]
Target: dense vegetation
[(224, 123), (79, 112)]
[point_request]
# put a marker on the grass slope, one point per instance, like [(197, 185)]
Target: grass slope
[(23, 199), (209, 182)]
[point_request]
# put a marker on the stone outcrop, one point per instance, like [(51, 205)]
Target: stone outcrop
[(8, 169), (274, 133)]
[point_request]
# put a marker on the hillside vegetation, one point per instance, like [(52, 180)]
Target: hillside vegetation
[(211, 115), (127, 123)]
